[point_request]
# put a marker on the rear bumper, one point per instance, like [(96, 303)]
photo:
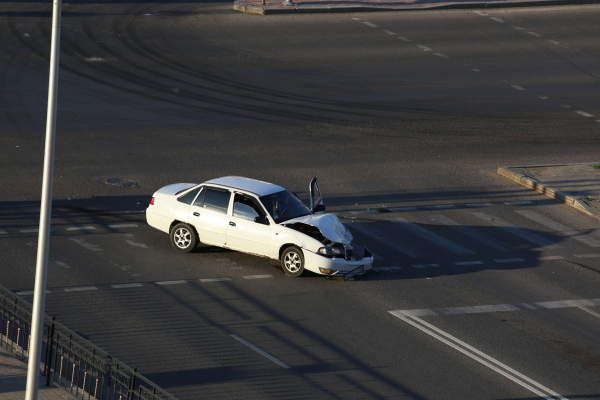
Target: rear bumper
[(158, 221), (313, 262)]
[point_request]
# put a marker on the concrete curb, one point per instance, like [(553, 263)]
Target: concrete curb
[(271, 10), (553, 193)]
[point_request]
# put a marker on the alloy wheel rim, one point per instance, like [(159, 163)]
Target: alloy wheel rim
[(183, 238), (292, 262)]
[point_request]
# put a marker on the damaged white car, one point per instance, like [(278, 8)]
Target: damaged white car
[(258, 218)]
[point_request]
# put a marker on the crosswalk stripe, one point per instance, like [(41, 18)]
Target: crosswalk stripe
[(473, 233), (558, 227), (369, 231), (433, 237), (524, 233)]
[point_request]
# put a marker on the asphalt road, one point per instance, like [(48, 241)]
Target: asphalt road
[(413, 110)]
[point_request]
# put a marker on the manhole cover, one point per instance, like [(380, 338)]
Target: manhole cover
[(120, 182)]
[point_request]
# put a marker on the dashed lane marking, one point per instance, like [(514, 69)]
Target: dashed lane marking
[(594, 313), (29, 230), (214, 279), (356, 19), (518, 87), (587, 255), (424, 48), (598, 120), (566, 106), (474, 234), (558, 227), (257, 276), (543, 97), (554, 41), (81, 228), (3, 232), (80, 289), (468, 263), (476, 70), (433, 237), (116, 226), (517, 203), (385, 268), (126, 285), (508, 260), (584, 114), (261, 352), (515, 230), (404, 39), (517, 27), (399, 246), (480, 13), (427, 266), (371, 24), (29, 293), (498, 19), (389, 32), (163, 283), (442, 55), (478, 356), (549, 258), (535, 34), (477, 205)]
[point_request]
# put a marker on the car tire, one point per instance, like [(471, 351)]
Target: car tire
[(292, 261), (183, 238)]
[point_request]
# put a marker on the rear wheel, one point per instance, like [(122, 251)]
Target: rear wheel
[(183, 238), (292, 261)]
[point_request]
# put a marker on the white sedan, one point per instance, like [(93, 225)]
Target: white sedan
[(259, 218)]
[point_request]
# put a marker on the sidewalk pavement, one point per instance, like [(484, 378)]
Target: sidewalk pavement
[(325, 6), (577, 185), (13, 381)]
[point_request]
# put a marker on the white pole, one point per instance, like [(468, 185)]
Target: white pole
[(41, 271)]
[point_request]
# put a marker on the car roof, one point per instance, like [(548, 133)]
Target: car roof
[(257, 187)]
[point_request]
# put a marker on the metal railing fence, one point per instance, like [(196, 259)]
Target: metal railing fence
[(70, 361)]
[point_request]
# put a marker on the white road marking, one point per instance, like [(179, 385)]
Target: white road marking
[(518, 87), (554, 41), (508, 260), (473, 233), (524, 233), (479, 356), (80, 228), (566, 106), (126, 285), (594, 313), (3, 232), (480, 13), (498, 19), (122, 226), (468, 263), (403, 209), (548, 258), (598, 120), (432, 237), (257, 276), (517, 203), (543, 97), (261, 352), (364, 212), (587, 255), (132, 243), (81, 289), (29, 230), (62, 264), (404, 39), (427, 266), (389, 32), (424, 48), (399, 246), (84, 244), (563, 229), (30, 293), (442, 55), (476, 70), (501, 307), (163, 283), (98, 59), (356, 19), (583, 113), (517, 27), (476, 205), (442, 207), (386, 268), (535, 34), (215, 279), (370, 24)]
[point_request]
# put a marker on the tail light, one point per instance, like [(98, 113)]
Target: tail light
[(152, 202)]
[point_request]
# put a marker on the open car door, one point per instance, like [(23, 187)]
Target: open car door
[(316, 200)]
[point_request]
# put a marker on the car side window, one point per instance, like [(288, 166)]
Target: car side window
[(250, 203), (189, 197), (217, 200), (200, 199)]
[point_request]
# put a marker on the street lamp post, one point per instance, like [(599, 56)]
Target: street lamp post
[(41, 271)]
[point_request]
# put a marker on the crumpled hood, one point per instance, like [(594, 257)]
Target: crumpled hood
[(329, 224)]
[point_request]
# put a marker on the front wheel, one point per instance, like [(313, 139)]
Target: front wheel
[(183, 238), (292, 261)]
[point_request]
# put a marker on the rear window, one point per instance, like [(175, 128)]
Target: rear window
[(216, 200), (189, 197)]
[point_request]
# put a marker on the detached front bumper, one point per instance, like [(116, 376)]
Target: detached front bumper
[(339, 266)]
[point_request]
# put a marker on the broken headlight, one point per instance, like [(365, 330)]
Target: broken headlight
[(330, 251)]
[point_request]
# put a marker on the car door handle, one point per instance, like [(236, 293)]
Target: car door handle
[(231, 223), (196, 214)]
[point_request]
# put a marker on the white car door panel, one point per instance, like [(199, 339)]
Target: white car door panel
[(249, 236), (209, 215)]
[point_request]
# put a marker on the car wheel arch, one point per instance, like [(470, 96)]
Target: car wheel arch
[(285, 246), (176, 221)]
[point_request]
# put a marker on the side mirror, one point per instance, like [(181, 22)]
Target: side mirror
[(319, 207), (261, 220)]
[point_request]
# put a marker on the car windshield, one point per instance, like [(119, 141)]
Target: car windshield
[(283, 206)]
